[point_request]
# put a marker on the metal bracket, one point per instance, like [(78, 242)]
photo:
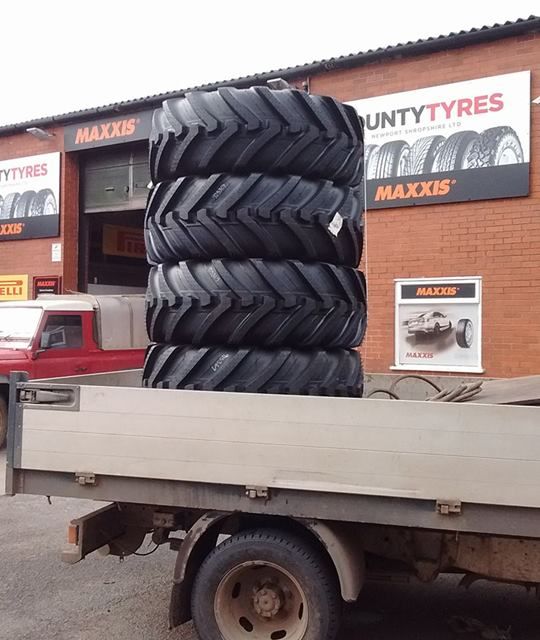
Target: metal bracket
[(37, 396), (449, 507), (255, 492), (84, 478)]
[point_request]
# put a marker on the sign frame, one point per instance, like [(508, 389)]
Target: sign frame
[(19, 280), (56, 285), (425, 282)]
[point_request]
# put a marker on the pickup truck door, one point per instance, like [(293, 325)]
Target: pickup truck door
[(59, 346)]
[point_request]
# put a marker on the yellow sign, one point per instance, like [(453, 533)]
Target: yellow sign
[(127, 242), (13, 288)]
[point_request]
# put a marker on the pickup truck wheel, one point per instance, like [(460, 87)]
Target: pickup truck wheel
[(257, 130), (3, 421), (256, 302), (266, 585), (335, 372), (254, 216)]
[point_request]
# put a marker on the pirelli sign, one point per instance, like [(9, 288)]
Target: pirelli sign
[(13, 288), (108, 131)]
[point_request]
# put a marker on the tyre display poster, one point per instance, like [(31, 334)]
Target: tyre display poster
[(439, 324), (450, 143), (29, 197)]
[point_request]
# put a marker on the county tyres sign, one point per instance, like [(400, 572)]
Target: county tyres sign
[(450, 143), (30, 197)]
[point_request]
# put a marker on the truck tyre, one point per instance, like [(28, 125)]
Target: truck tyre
[(256, 130), (371, 154), (456, 152), (316, 372), (496, 146), (22, 208), (266, 583), (256, 302), (465, 333), (393, 160), (3, 421), (423, 154), (9, 205), (44, 204), (254, 216)]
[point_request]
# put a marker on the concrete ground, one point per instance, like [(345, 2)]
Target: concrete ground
[(40, 597)]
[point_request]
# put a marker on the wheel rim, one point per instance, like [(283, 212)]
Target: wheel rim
[(260, 601), (468, 333), (508, 156)]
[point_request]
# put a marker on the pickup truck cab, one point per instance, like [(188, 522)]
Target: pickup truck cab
[(58, 336)]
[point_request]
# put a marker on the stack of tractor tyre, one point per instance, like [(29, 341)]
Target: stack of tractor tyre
[(254, 233)]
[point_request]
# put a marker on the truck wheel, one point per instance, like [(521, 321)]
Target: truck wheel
[(465, 333), (256, 302), (455, 153), (44, 204), (496, 146), (317, 372), (423, 154), (437, 329), (266, 585), (22, 207), (9, 205), (257, 130), (393, 160), (3, 421), (255, 216)]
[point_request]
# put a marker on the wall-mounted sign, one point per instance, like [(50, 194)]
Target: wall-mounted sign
[(126, 242), (47, 285), (108, 131), (438, 324), (30, 197), (13, 288), (450, 143)]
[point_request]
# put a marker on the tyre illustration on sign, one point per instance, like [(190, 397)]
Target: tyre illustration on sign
[(29, 204), (493, 147), (465, 333)]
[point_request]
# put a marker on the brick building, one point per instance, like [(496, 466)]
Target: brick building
[(490, 232)]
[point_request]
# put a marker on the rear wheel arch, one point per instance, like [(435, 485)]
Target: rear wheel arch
[(338, 546)]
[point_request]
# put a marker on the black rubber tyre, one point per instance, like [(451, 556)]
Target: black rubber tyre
[(9, 205), (317, 372), (371, 154), (3, 421), (222, 612), (257, 130), (423, 154), (44, 204), (256, 216), (393, 160), (256, 302), (496, 146), (22, 207), (455, 153), (464, 333)]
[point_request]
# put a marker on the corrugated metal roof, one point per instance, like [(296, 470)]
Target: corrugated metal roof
[(452, 40)]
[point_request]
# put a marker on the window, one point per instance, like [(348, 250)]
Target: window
[(62, 332)]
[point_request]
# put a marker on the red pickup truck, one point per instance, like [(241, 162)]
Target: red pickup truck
[(56, 336)]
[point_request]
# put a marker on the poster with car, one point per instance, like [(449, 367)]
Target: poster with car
[(450, 143), (439, 324), (29, 197)]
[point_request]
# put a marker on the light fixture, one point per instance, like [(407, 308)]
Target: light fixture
[(278, 83), (40, 134), (536, 100)]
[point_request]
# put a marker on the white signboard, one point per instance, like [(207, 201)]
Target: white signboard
[(449, 143), (439, 324), (30, 197)]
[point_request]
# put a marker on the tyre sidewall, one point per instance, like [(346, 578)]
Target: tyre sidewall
[(225, 558)]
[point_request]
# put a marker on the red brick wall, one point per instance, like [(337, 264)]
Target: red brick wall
[(496, 239), (33, 257)]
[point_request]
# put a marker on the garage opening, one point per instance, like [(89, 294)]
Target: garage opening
[(114, 193)]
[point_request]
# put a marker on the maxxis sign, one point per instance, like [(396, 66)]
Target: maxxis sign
[(30, 197), (439, 324), (450, 143)]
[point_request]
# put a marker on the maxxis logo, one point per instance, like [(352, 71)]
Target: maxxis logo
[(106, 131), (420, 189)]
